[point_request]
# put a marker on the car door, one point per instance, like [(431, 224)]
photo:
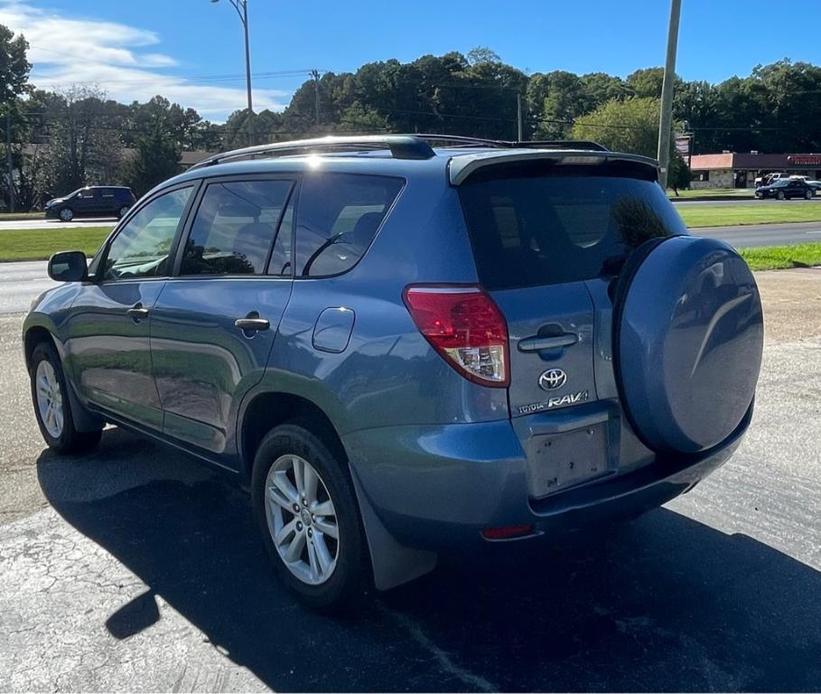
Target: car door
[(108, 205), (108, 325), (87, 202), (214, 324)]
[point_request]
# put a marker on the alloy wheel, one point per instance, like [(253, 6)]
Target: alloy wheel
[(302, 519), (49, 398)]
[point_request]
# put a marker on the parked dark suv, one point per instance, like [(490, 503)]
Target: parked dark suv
[(92, 201), (404, 351)]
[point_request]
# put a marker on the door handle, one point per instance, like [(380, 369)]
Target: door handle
[(251, 324), (137, 312), (537, 344)]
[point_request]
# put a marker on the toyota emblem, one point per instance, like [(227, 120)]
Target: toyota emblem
[(552, 379)]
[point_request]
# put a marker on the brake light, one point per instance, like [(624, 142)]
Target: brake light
[(466, 328), (508, 532)]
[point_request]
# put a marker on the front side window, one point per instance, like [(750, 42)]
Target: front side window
[(142, 247), (338, 217), (235, 227)]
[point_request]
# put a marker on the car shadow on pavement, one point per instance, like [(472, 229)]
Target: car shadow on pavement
[(665, 603)]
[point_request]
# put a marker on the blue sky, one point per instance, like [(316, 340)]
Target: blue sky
[(191, 50)]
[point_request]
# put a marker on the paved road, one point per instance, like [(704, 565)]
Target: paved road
[(56, 225), (737, 201), (139, 568), (764, 234), (20, 283)]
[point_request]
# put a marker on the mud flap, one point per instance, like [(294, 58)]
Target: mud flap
[(393, 564)]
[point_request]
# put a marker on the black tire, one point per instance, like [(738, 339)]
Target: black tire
[(350, 576), (69, 439), (808, 194), (66, 214), (780, 195), (123, 211)]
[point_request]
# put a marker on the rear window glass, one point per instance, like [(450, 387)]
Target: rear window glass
[(532, 230), (337, 217)]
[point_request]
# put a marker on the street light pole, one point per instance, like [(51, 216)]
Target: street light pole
[(241, 6), (666, 117)]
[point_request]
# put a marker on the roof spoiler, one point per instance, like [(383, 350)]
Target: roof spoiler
[(464, 166)]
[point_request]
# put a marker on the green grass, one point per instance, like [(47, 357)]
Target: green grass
[(780, 257), (784, 212), (40, 244), (712, 193)]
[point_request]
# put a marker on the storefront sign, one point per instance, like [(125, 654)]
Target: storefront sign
[(683, 145), (804, 159)]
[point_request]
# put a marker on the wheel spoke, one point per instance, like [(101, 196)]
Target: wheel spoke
[(283, 484), (287, 529), (310, 481), (275, 496), (294, 550), (327, 528), (58, 418), (298, 476), (326, 508), (316, 572), (323, 556)]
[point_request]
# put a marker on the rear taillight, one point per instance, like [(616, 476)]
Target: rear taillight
[(465, 327)]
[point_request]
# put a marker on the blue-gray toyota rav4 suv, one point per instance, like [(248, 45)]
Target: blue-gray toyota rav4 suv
[(403, 351)]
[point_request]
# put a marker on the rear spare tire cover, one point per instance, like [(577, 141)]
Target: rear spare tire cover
[(688, 337)]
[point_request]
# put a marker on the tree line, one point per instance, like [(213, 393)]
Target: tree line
[(63, 140)]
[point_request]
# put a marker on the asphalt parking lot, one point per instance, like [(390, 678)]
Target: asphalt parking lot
[(137, 568)]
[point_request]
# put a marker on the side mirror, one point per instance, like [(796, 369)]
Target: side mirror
[(68, 266)]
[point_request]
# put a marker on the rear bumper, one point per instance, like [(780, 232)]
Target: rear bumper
[(436, 488)]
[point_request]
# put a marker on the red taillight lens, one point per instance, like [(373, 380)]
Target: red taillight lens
[(507, 532), (466, 328)]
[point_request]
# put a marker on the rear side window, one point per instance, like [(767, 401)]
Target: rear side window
[(337, 217), (234, 229), (560, 227)]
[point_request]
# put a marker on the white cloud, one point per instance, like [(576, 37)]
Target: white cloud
[(112, 56)]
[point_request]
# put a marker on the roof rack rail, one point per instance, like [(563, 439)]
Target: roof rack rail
[(511, 144), (562, 144), (462, 140), (400, 146)]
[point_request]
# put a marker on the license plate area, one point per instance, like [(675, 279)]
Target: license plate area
[(560, 461)]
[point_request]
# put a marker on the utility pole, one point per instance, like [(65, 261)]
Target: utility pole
[(666, 117), (519, 123), (315, 75), (241, 6), (9, 164)]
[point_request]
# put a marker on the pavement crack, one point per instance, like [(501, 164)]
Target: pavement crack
[(415, 631)]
